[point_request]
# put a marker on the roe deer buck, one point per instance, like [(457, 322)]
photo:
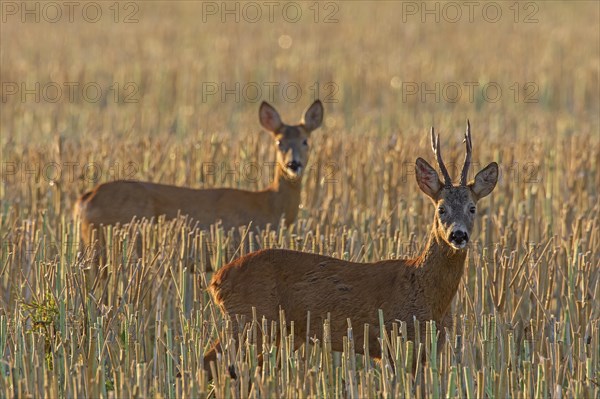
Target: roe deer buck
[(119, 201), (422, 287)]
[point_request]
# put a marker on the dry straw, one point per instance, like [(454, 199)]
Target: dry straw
[(526, 315)]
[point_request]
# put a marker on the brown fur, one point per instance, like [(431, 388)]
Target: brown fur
[(300, 282), (119, 201)]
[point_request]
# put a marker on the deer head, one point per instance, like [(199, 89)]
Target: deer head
[(292, 141), (456, 205)]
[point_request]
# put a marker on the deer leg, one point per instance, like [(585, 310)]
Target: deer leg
[(211, 355)]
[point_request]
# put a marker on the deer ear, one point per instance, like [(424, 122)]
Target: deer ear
[(313, 116), (269, 117), (485, 181), (427, 179)]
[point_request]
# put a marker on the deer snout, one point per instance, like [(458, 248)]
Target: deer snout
[(459, 238), (294, 166)]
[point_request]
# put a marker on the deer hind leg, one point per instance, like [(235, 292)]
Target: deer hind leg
[(93, 252), (211, 355), (216, 348)]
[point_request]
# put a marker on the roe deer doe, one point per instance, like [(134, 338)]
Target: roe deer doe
[(422, 287), (119, 201)]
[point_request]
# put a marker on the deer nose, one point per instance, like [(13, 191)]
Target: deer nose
[(459, 237), (294, 165)]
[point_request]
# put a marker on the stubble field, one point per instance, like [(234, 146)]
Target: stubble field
[(169, 92)]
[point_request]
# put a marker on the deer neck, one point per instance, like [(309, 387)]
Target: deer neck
[(285, 194), (441, 268)]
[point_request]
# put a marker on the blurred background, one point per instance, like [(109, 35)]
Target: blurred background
[(131, 86)]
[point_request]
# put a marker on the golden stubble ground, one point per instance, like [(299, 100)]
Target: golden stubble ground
[(169, 92)]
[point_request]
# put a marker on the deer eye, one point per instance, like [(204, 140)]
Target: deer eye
[(473, 209), (305, 142), (441, 210)]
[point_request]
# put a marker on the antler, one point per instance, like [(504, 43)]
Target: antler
[(435, 144), (467, 164)]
